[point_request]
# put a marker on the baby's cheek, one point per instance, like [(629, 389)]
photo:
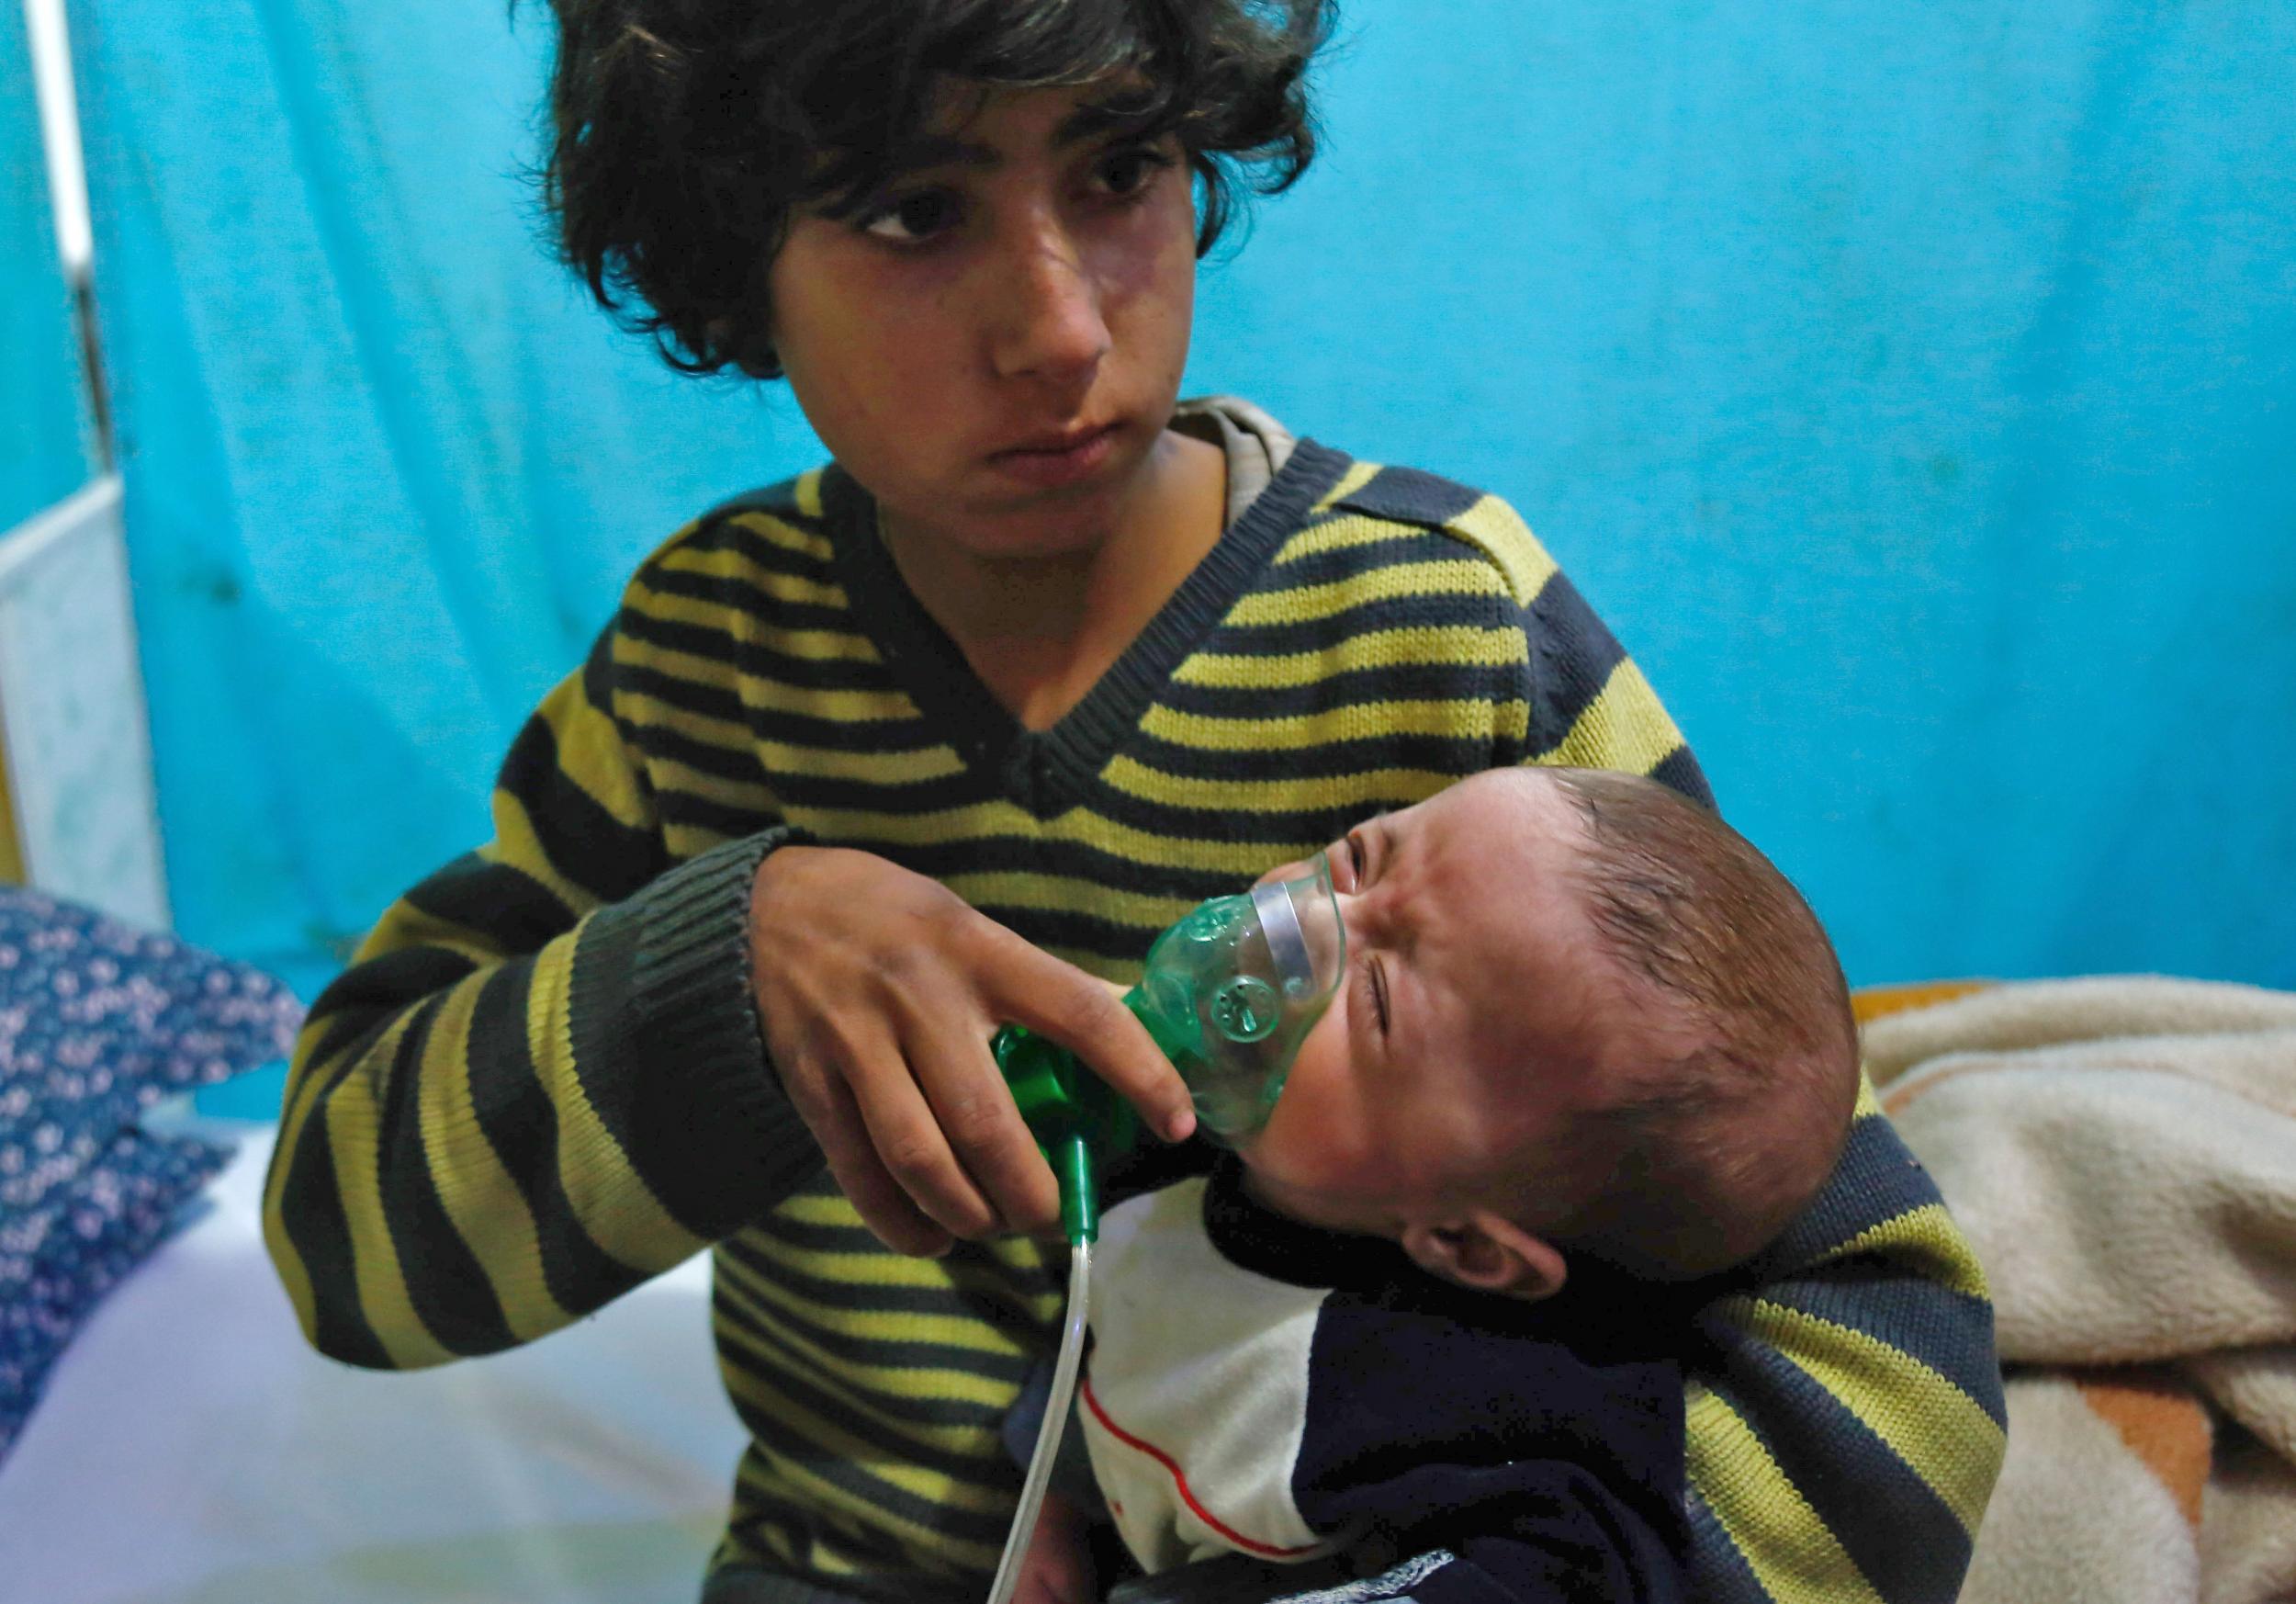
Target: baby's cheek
[(1300, 1144)]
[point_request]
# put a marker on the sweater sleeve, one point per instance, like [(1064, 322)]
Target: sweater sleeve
[(1846, 1420), (541, 1079)]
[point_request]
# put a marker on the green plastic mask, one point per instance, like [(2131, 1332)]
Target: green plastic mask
[(1230, 991)]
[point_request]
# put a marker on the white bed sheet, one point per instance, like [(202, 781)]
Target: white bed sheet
[(192, 1449)]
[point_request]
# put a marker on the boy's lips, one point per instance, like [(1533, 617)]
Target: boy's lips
[(1056, 440), (1059, 457)]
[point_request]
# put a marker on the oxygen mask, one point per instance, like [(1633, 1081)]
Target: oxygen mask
[(1230, 991), (1228, 994)]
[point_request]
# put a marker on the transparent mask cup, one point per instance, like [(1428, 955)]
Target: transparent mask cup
[(1228, 993)]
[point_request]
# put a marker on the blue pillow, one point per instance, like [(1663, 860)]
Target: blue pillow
[(99, 1020)]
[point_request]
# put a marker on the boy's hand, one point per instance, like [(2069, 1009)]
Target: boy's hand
[(1057, 1569), (878, 990)]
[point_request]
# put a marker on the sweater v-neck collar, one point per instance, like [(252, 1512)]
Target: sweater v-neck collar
[(1047, 772)]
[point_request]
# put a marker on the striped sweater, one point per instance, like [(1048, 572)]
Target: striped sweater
[(541, 1079)]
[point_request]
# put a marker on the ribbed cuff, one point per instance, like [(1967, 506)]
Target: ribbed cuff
[(666, 1020)]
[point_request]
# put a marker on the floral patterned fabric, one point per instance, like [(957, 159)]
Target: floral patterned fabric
[(99, 1020)]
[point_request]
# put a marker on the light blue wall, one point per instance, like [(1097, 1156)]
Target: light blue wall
[(1914, 390), (44, 450)]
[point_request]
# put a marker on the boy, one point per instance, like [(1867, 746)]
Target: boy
[(1589, 1046), (920, 743)]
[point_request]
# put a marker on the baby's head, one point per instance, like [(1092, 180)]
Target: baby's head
[(1580, 1016)]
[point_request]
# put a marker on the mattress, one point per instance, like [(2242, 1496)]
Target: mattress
[(192, 1448)]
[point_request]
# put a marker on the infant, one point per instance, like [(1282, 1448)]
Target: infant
[(1590, 1052)]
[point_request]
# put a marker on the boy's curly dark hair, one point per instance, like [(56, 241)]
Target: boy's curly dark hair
[(683, 131)]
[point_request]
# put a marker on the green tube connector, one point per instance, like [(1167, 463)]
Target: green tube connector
[(1080, 1189), (1077, 1119)]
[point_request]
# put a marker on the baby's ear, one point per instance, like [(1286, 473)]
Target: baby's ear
[(1487, 1252)]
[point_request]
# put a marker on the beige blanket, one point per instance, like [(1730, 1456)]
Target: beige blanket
[(2122, 1153)]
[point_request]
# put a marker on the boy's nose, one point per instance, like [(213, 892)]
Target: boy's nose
[(1048, 322)]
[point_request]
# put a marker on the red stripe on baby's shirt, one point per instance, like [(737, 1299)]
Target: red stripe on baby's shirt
[(1188, 1496)]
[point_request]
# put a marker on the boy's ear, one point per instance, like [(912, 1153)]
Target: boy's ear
[(1487, 1252)]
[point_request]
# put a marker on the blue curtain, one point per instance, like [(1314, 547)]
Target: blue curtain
[(43, 417), (383, 468), (1914, 390)]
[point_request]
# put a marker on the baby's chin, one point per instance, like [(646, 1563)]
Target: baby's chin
[(1325, 1211), (1264, 1188)]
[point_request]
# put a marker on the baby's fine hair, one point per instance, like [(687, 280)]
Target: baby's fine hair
[(1716, 1149), (684, 131)]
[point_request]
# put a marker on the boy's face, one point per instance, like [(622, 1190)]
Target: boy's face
[(1037, 283), (1467, 959)]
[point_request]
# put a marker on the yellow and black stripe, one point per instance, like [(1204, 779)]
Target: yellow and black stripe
[(542, 1080)]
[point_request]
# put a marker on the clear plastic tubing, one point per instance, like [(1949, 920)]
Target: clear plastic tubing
[(1047, 1438)]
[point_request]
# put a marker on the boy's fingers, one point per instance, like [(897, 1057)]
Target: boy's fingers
[(867, 1184), (913, 1149), (976, 1113), (1061, 1002)]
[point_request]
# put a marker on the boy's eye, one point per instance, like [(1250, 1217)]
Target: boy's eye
[(907, 219), (1129, 170)]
